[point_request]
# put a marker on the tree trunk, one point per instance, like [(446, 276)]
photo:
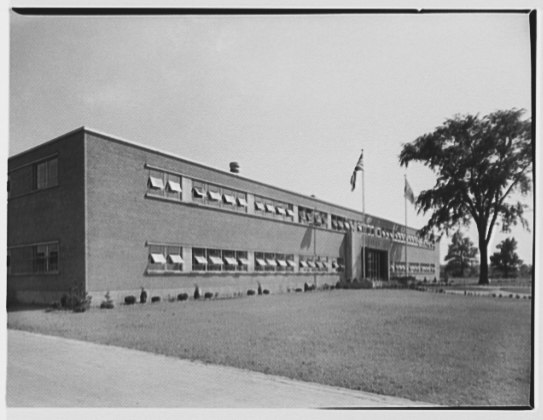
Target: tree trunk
[(483, 252)]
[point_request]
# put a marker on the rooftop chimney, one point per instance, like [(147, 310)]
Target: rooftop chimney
[(234, 167)]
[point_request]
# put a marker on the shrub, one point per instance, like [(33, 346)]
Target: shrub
[(196, 292), (259, 290), (208, 295), (298, 290), (130, 300), (155, 299), (143, 295), (266, 291), (518, 297), (77, 300), (511, 296), (182, 296), (250, 292), (493, 295), (306, 287), (108, 303)]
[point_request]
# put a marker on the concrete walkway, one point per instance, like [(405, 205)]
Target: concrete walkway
[(45, 371)]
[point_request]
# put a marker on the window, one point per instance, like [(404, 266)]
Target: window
[(214, 196), (260, 262), (198, 192), (231, 263), (173, 186), (199, 259), (242, 202), (271, 264), (34, 259), (164, 184), (156, 183), (45, 174), (259, 206), (243, 260), (281, 262), (165, 259), (290, 263), (229, 199), (214, 259)]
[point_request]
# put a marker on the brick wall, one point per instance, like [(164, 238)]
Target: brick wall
[(121, 220), (52, 214)]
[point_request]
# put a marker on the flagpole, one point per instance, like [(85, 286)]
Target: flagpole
[(405, 205), (363, 226)]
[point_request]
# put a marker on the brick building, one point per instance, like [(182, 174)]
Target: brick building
[(93, 211)]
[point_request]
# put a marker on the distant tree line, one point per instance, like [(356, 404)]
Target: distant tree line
[(461, 259)]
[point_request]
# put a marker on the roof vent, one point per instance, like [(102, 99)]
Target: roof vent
[(234, 167)]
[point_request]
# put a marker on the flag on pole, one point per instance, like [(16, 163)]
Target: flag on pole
[(408, 192), (359, 167)]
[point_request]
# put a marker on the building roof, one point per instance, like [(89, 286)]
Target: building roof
[(121, 140)]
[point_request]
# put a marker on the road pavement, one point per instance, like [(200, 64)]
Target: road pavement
[(45, 371)]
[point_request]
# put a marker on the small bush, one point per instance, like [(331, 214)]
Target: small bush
[(518, 296), (259, 290), (196, 292), (493, 295), (108, 303), (155, 299), (182, 296), (143, 295), (266, 291), (251, 292), (511, 296), (130, 300), (208, 295), (298, 290), (306, 287)]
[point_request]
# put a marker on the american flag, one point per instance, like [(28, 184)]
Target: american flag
[(359, 167)]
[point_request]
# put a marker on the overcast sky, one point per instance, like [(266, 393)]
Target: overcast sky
[(293, 98)]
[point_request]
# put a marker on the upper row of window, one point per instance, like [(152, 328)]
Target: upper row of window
[(170, 186)]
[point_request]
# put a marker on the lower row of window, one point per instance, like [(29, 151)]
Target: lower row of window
[(166, 258)]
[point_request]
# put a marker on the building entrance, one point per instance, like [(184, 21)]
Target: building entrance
[(376, 264)]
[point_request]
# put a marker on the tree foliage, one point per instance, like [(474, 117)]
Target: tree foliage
[(506, 259), (461, 254), (479, 162)]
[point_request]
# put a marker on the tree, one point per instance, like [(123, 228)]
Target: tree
[(479, 163), (506, 259), (461, 254)]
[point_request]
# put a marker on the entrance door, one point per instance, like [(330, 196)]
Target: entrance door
[(376, 264)]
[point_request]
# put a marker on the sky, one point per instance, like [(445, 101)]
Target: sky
[(292, 98)]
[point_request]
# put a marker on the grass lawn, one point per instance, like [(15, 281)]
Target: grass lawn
[(438, 348)]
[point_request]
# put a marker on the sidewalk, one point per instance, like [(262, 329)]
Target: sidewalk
[(45, 371)]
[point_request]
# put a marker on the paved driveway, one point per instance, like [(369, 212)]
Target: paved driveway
[(45, 371)]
